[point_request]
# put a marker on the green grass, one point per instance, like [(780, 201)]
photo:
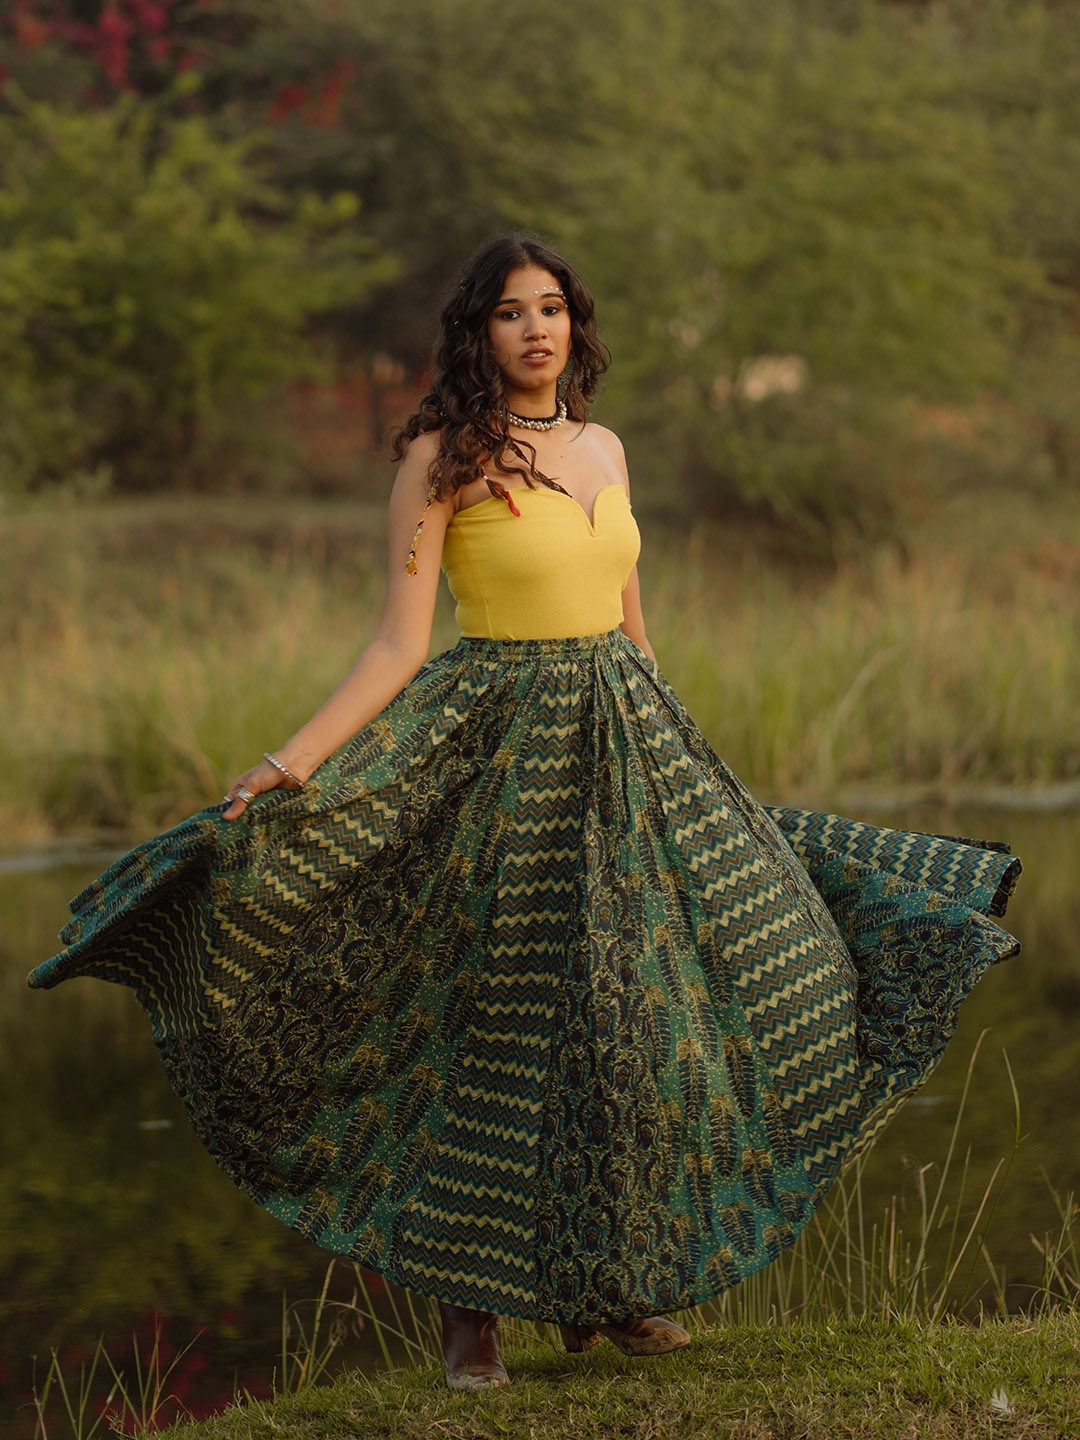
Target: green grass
[(151, 650), (856, 1327), (808, 1382)]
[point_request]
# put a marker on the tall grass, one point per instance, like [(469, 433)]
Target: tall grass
[(149, 653), (939, 672), (137, 1401)]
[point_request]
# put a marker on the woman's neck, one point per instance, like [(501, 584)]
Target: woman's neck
[(537, 404)]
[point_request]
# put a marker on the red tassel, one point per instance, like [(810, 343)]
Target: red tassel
[(501, 493)]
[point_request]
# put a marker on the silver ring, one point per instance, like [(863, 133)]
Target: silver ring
[(243, 793)]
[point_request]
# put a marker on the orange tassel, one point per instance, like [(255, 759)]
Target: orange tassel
[(410, 563), (501, 493)]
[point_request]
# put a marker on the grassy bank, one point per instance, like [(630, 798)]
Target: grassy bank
[(891, 1274), (899, 1381), (150, 651)]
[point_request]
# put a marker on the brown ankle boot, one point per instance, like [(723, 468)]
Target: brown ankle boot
[(470, 1346), (633, 1337)]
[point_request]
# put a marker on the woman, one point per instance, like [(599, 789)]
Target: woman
[(493, 976)]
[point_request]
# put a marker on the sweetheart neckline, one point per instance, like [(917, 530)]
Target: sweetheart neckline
[(515, 490)]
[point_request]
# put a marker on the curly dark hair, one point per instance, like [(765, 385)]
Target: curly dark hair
[(465, 399)]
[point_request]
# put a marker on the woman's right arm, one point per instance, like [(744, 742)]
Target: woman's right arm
[(400, 644)]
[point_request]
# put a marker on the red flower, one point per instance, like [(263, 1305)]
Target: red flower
[(31, 31), (151, 15), (289, 98), (325, 109)]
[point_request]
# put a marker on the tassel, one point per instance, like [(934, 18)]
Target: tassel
[(501, 493), (410, 563)]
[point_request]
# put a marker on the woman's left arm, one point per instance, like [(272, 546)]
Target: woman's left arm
[(633, 622)]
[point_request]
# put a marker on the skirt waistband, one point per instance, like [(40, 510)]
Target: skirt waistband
[(502, 652)]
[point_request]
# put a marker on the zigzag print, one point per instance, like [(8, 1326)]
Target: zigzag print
[(525, 1003)]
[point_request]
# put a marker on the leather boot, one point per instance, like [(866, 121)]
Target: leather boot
[(470, 1346)]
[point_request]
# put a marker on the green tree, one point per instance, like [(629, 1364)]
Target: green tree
[(151, 280), (801, 219), (838, 187), (811, 194)]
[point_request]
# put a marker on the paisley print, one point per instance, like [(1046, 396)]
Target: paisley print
[(525, 1003)]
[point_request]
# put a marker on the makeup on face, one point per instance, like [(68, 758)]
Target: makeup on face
[(530, 328)]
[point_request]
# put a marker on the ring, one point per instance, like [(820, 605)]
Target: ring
[(243, 793)]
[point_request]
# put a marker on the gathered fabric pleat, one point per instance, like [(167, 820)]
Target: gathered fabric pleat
[(525, 1003)]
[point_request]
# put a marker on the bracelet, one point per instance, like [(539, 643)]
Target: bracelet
[(283, 768)]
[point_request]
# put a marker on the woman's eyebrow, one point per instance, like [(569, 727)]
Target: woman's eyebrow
[(547, 295)]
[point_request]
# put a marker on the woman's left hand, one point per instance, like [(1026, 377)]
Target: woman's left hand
[(256, 781)]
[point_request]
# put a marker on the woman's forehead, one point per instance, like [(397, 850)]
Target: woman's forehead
[(526, 281)]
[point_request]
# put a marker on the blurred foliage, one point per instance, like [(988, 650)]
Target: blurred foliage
[(799, 217), (150, 279)]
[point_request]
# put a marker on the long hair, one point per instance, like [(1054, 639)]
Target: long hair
[(465, 402)]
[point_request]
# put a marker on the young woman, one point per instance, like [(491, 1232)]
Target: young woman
[(493, 976)]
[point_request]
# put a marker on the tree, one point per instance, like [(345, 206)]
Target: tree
[(870, 202), (150, 280)]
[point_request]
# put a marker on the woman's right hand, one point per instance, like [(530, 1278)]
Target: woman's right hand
[(256, 781)]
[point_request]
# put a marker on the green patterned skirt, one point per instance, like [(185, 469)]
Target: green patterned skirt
[(525, 1003)]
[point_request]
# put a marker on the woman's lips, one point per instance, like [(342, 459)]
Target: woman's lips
[(537, 357)]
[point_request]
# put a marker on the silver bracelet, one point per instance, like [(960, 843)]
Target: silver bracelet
[(283, 768)]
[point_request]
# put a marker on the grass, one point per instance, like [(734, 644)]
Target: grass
[(808, 1382), (132, 1403), (150, 650), (855, 1331)]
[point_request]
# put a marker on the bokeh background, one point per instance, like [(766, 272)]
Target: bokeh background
[(835, 246)]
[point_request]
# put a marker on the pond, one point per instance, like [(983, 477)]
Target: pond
[(115, 1221)]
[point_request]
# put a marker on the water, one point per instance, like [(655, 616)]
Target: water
[(114, 1215)]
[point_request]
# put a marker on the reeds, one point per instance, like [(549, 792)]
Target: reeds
[(150, 653), (934, 675), (136, 1401)]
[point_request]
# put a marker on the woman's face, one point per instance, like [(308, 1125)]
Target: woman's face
[(529, 331)]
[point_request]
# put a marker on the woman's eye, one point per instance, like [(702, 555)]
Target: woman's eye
[(552, 309), (507, 315)]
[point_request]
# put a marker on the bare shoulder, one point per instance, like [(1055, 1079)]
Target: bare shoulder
[(414, 471), (609, 446), (605, 438), (422, 450)]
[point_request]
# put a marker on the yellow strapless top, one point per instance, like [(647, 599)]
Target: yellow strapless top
[(545, 574)]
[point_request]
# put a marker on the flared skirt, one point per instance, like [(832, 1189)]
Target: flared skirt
[(525, 1003)]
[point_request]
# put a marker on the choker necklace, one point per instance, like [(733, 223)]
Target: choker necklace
[(549, 422)]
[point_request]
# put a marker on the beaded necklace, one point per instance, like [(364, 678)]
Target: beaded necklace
[(549, 422)]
